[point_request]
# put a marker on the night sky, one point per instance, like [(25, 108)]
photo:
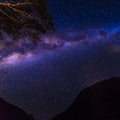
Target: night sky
[(46, 78)]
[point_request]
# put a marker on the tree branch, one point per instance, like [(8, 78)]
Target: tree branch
[(30, 16)]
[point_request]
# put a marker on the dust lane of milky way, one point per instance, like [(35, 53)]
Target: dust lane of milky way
[(24, 51), (48, 76)]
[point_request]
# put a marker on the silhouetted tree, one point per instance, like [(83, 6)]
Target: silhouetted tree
[(21, 18)]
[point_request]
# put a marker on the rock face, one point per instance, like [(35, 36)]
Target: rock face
[(98, 102), (11, 112)]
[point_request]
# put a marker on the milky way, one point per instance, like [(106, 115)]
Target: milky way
[(45, 79), (23, 51)]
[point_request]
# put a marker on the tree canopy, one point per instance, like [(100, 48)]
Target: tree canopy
[(21, 18)]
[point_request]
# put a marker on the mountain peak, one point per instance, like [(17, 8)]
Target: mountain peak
[(100, 101)]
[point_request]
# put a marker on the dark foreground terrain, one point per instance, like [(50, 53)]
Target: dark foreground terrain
[(12, 112), (98, 102)]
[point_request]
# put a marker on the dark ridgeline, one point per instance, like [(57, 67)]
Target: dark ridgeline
[(98, 102), (12, 112)]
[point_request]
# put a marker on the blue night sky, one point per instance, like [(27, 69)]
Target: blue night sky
[(80, 13), (45, 79)]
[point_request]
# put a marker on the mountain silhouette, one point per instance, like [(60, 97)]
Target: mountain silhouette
[(11, 112), (97, 102)]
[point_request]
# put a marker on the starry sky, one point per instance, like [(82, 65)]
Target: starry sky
[(85, 48)]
